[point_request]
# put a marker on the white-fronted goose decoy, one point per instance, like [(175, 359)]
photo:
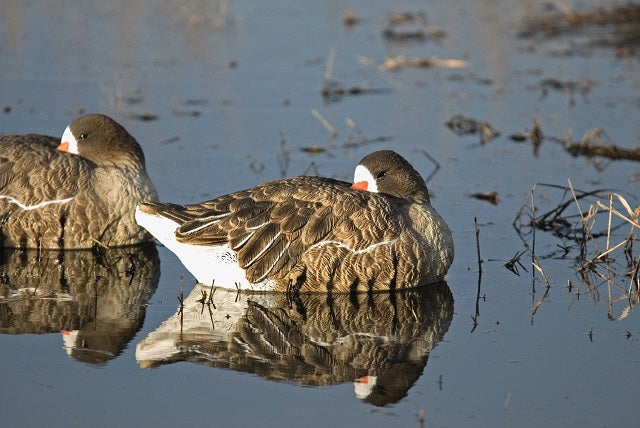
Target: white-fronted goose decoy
[(73, 193), (313, 234)]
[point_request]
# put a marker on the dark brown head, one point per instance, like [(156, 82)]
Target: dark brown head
[(385, 171), (103, 141)]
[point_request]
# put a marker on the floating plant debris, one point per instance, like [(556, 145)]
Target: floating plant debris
[(608, 26), (568, 87), (333, 91), (350, 19), (400, 61), (597, 143), (462, 125), (403, 27), (491, 197), (145, 117)]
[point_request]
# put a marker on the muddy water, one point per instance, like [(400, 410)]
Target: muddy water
[(218, 94)]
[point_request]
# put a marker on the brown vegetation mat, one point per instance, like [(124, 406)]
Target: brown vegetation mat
[(609, 26)]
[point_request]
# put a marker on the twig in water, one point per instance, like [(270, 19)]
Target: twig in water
[(536, 136), (381, 139), (324, 123), (434, 162), (210, 300), (203, 298), (353, 127), (312, 167), (475, 222), (331, 59), (513, 264), (181, 296), (181, 310), (546, 291), (475, 317), (585, 232), (635, 281), (533, 246), (507, 400), (283, 156)]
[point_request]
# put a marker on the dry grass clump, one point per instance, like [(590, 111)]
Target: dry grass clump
[(601, 228)]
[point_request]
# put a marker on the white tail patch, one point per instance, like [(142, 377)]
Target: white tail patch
[(13, 200), (162, 228), (206, 263)]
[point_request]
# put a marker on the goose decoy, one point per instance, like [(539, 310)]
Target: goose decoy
[(77, 192), (313, 234)]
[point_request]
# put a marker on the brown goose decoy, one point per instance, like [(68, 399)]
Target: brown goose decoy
[(73, 193), (313, 234)]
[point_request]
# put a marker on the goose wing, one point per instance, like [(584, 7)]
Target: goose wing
[(32, 171), (270, 226)]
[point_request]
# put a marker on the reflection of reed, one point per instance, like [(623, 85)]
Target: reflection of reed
[(95, 298), (313, 339)]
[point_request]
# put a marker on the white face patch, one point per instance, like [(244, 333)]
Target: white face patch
[(363, 174), (68, 137)]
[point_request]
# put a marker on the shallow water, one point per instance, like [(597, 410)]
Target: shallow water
[(210, 90)]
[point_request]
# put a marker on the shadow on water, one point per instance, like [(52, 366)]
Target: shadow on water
[(96, 299), (380, 341)]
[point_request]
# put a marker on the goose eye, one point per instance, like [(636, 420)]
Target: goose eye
[(83, 136), (381, 174)]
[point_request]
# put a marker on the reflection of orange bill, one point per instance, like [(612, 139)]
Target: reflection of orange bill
[(363, 386)]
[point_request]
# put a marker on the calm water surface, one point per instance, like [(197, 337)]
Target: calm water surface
[(211, 89)]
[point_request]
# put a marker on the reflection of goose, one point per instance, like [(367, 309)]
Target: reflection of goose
[(97, 299), (313, 339), (53, 199), (304, 232)]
